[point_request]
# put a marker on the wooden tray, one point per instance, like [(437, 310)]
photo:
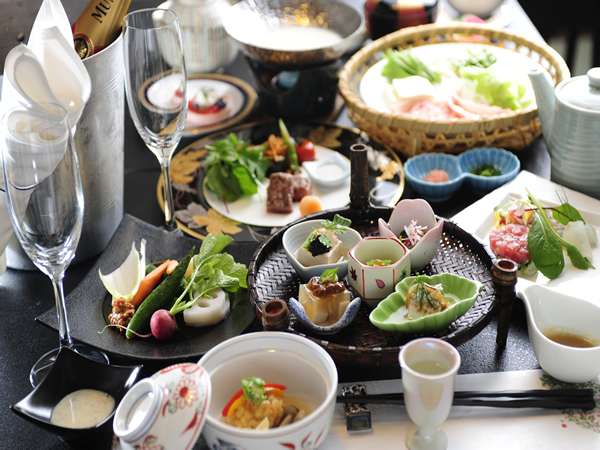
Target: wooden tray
[(361, 344)]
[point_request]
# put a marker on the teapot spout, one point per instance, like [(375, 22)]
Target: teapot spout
[(544, 97)]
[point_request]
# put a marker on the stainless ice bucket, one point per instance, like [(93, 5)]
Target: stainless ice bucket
[(99, 141)]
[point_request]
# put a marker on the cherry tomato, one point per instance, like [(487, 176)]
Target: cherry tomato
[(306, 151)]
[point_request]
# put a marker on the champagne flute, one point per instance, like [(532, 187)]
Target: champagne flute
[(45, 204), (155, 83)]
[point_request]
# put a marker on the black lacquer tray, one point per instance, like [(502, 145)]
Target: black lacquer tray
[(361, 344)]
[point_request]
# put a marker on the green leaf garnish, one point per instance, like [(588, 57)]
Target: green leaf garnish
[(339, 224), (483, 59), (566, 213), (212, 270), (329, 276), (546, 245), (254, 390)]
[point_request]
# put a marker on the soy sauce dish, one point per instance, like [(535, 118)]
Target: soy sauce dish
[(438, 176), (70, 374)]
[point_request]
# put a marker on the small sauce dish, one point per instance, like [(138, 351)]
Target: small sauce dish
[(346, 318), (330, 172), (421, 212), (548, 311), (374, 282), (72, 372)]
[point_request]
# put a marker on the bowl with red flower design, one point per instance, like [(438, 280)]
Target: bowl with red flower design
[(376, 265), (167, 410), (253, 376)]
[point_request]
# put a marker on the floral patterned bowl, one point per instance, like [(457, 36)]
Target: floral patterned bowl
[(166, 411), (376, 282), (420, 211), (304, 367)]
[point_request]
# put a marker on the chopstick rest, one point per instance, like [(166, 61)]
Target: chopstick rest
[(358, 416)]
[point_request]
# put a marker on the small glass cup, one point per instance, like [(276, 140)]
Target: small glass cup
[(429, 369)]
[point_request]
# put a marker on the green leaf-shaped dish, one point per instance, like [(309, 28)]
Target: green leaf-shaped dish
[(389, 314)]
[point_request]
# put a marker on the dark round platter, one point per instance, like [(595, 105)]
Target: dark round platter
[(361, 344)]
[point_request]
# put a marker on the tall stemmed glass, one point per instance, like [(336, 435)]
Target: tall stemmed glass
[(45, 203), (155, 82)]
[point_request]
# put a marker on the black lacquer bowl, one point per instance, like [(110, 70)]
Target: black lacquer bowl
[(69, 373)]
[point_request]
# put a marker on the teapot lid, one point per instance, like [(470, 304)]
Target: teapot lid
[(582, 91)]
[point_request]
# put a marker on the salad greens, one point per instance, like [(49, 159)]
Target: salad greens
[(210, 270), (233, 168), (329, 276), (402, 64), (546, 244), (483, 59), (497, 92), (254, 389)]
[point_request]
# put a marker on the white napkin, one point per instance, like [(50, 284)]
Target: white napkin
[(46, 70)]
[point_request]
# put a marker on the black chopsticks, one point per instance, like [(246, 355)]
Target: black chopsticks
[(568, 398)]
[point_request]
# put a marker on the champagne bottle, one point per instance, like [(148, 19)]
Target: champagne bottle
[(98, 25)]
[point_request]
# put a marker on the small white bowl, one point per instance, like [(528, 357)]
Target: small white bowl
[(548, 309), (317, 169), (376, 282), (295, 236), (421, 211), (304, 367)]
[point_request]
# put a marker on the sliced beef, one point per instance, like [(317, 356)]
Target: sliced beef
[(280, 193)]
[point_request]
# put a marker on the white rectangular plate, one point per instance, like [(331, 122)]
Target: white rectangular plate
[(478, 219)]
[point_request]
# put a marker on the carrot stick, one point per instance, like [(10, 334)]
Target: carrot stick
[(149, 282)]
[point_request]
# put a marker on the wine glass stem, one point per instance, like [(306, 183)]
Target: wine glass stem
[(63, 325), (169, 205)]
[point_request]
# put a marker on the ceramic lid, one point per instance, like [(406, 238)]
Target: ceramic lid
[(169, 390), (582, 91)]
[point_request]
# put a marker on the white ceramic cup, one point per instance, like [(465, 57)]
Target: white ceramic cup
[(429, 369)]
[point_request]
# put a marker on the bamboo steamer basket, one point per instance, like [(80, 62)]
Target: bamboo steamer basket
[(410, 136)]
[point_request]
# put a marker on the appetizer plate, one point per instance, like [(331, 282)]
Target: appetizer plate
[(360, 343), (253, 210), (478, 219), (89, 304), (194, 214), (390, 313), (238, 97)]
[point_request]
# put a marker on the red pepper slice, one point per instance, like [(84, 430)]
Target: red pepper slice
[(239, 393)]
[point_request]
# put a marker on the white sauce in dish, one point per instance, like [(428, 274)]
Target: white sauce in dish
[(294, 38), (84, 408)]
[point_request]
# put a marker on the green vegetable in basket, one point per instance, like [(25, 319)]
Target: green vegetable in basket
[(402, 64)]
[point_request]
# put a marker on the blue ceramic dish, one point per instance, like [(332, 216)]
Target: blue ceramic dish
[(418, 166), (502, 159), (459, 170), (346, 319)]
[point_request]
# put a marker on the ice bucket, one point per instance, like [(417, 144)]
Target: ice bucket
[(99, 141)]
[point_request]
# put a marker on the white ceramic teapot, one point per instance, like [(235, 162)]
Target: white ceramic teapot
[(570, 116)]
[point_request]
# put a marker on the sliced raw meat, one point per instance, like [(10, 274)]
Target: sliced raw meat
[(510, 241), (478, 109), (302, 187), (427, 109), (280, 193)]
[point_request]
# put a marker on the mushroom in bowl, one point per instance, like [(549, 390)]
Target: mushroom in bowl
[(262, 363)]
